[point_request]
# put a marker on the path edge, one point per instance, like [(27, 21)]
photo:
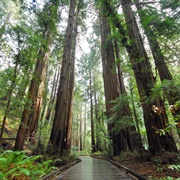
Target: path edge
[(128, 171), (55, 173)]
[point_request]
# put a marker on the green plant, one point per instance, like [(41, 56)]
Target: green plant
[(176, 167), (14, 164), (68, 158), (167, 178)]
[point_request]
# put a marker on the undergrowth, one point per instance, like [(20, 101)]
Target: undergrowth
[(16, 165)]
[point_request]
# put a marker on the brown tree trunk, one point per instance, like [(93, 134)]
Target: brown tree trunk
[(93, 145), (111, 88), (32, 95), (52, 96), (32, 107), (58, 132), (84, 142), (80, 131), (173, 93), (144, 78), (36, 109), (145, 81), (71, 84), (97, 119), (133, 137)]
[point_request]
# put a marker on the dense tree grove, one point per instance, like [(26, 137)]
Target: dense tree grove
[(95, 75)]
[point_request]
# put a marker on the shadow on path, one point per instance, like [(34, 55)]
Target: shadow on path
[(94, 169)]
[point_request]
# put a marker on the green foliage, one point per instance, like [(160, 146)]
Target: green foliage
[(120, 115), (173, 4), (167, 178), (68, 158), (167, 88), (126, 155), (14, 164), (83, 153), (159, 20), (176, 167), (108, 149)]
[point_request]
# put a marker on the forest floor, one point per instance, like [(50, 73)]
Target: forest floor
[(157, 167)]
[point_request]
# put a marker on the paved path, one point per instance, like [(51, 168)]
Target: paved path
[(94, 169)]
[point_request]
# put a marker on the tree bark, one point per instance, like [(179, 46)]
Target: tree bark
[(145, 81), (80, 131), (85, 119), (52, 96), (172, 93), (30, 115), (144, 77), (111, 88), (58, 132), (93, 145), (71, 84), (133, 137)]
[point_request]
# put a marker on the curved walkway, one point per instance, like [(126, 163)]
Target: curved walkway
[(94, 169)]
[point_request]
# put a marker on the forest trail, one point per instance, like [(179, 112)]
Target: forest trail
[(94, 169)]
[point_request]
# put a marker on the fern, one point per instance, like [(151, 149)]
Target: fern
[(16, 164)]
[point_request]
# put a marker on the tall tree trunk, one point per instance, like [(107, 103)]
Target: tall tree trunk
[(80, 131), (71, 84), (173, 93), (52, 96), (97, 120), (133, 137), (34, 102), (58, 131), (84, 142), (144, 78), (145, 81), (111, 88), (139, 143), (93, 145), (42, 116), (36, 109)]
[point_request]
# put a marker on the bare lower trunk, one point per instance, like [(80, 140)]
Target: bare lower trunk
[(84, 144), (93, 145)]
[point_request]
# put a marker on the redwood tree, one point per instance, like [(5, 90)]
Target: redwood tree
[(145, 82), (111, 87), (172, 94), (30, 115), (58, 132), (133, 43)]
